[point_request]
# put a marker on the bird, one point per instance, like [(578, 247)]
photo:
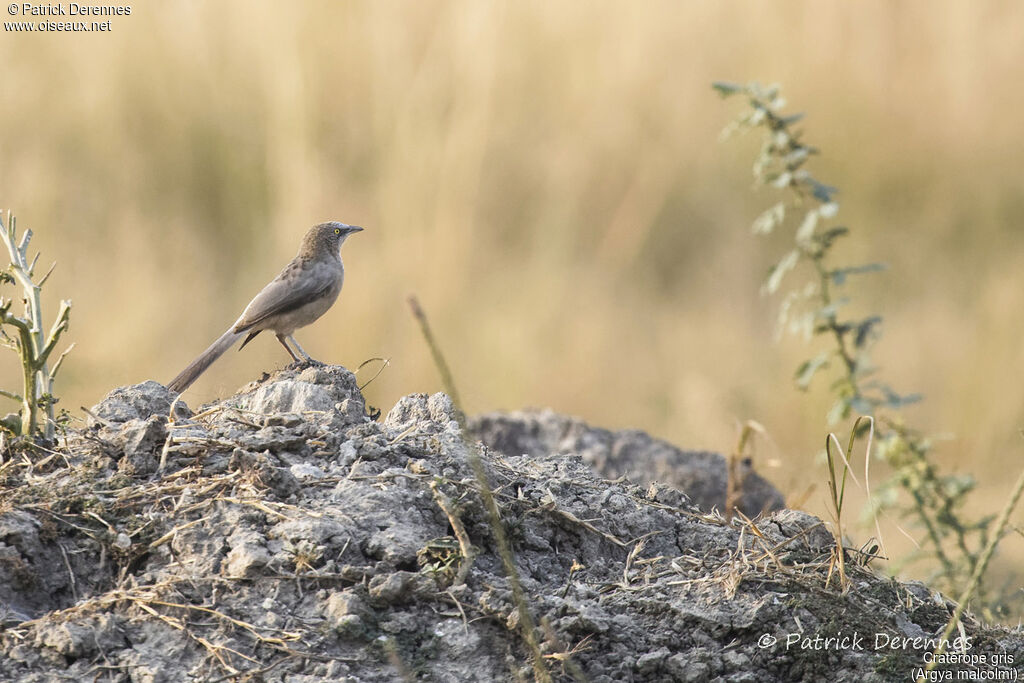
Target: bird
[(298, 296)]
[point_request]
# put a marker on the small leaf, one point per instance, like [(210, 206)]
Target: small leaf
[(792, 318), (805, 373), (802, 325), (768, 220), (779, 270), (828, 210), (896, 401), (726, 89), (826, 237), (839, 274), (958, 485), (864, 330), (840, 411), (796, 157), (806, 229), (823, 193)]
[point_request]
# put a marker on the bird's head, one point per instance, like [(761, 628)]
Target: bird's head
[(327, 236)]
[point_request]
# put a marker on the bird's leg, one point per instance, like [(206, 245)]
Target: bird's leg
[(281, 338), (309, 359)]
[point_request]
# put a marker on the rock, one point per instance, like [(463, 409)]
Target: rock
[(807, 532), (346, 611), (391, 588), (345, 603), (141, 441), (329, 389), (304, 470), (248, 555), (10, 616), (687, 670), (24, 589), (650, 662), (138, 402), (79, 639), (434, 413)]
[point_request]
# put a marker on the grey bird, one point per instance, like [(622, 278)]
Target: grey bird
[(303, 292)]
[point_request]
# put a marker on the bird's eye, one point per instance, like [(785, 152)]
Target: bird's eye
[(337, 231)]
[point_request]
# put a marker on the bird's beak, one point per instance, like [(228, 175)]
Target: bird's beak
[(354, 228)]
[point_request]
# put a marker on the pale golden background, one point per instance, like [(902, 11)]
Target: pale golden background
[(548, 178)]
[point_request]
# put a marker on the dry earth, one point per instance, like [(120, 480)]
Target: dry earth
[(283, 535)]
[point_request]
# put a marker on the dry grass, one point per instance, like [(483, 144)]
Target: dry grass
[(547, 177)]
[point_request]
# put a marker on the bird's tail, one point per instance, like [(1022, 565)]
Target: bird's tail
[(197, 367)]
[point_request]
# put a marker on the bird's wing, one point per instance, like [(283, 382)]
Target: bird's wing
[(293, 288)]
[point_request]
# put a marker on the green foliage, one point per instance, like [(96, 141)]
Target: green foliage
[(813, 307), (25, 335)]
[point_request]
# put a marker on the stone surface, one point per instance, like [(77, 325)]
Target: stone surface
[(138, 401), (628, 453)]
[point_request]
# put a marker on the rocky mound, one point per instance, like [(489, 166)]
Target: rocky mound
[(282, 535), (702, 475)]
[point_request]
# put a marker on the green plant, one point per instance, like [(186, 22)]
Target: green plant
[(32, 344), (814, 308), (837, 492)]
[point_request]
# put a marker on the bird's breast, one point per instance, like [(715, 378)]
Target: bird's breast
[(287, 322)]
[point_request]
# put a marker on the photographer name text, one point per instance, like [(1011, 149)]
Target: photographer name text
[(72, 9)]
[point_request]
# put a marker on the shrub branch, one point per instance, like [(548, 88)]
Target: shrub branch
[(32, 345)]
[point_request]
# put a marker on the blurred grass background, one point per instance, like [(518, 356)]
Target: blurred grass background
[(548, 179)]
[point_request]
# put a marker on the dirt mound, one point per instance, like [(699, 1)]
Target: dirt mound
[(281, 535), (627, 453)]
